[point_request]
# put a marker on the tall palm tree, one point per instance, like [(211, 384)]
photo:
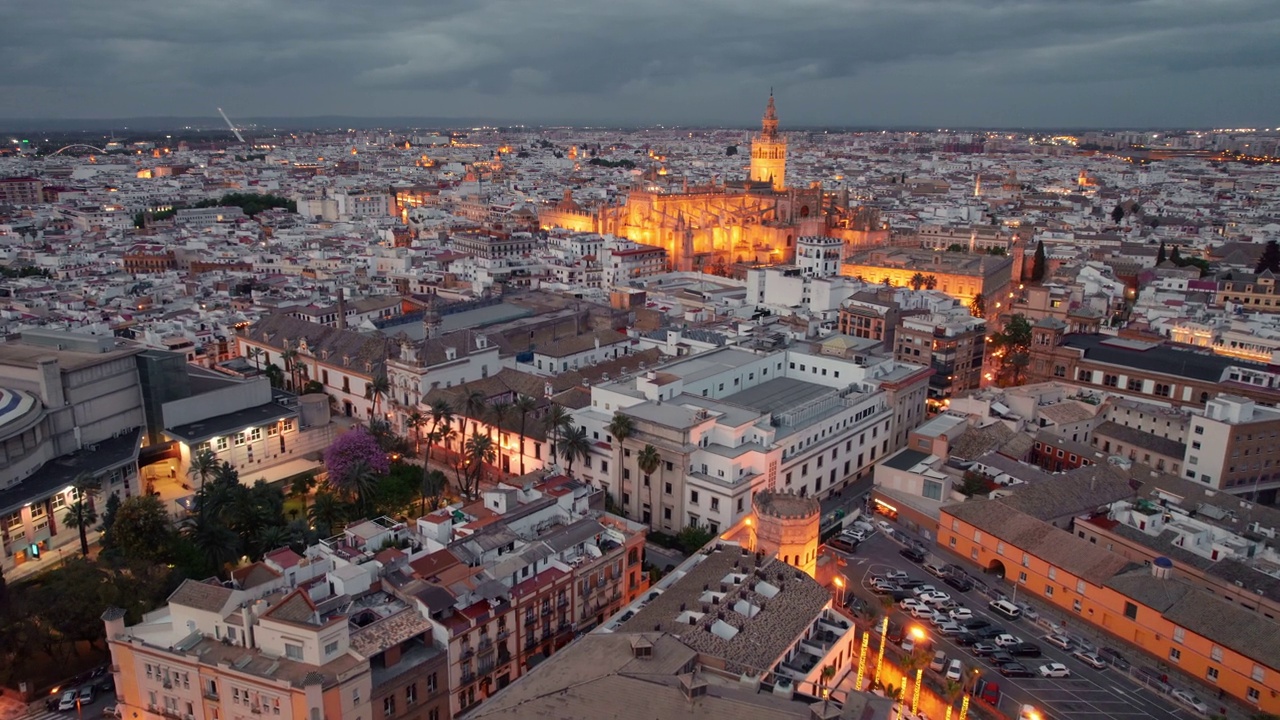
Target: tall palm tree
[(557, 419), (824, 685), (80, 514), (290, 358), (441, 413), (620, 427), (215, 542), (377, 389), (255, 354), (360, 481), (649, 460), (499, 413), (475, 407), (203, 465), (574, 445), (433, 486), (413, 422), (524, 405), (930, 282), (479, 450), (917, 281)]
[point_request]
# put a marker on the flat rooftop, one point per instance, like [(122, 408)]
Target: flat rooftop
[(700, 367), (778, 395)]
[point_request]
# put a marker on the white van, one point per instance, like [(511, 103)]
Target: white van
[(1005, 608)]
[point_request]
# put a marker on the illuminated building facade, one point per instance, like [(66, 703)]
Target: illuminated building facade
[(756, 220)]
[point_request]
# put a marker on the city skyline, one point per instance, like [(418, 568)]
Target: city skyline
[(975, 63)]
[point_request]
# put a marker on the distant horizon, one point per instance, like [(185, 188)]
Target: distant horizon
[(259, 123)]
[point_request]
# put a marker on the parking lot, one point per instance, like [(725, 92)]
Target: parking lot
[(1088, 694)]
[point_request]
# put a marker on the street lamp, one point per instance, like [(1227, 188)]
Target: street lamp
[(840, 587)]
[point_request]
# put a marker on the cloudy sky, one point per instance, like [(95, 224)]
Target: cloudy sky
[(939, 63)]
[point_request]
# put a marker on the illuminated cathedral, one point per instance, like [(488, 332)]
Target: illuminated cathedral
[(751, 220)]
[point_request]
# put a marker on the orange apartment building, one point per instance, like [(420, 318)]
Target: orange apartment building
[(1174, 621)]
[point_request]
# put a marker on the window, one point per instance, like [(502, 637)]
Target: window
[(715, 504), (1216, 653), (1199, 429), (1048, 591), (1179, 634), (693, 497), (1053, 573), (239, 439), (411, 694), (219, 444), (1211, 674), (331, 648), (1110, 380), (1131, 611), (666, 513), (1258, 673), (1163, 390), (1022, 578), (1080, 586), (1254, 696), (255, 434), (1175, 654), (389, 706), (355, 696), (999, 548), (293, 652), (1134, 385), (932, 490), (432, 683), (1075, 605), (666, 490)]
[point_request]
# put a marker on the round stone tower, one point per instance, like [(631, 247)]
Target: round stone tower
[(786, 525)]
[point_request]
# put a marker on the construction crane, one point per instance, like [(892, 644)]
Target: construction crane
[(234, 131)]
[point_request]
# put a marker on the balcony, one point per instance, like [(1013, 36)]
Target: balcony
[(503, 634), (546, 610), (467, 651), (486, 644), (468, 676), (210, 694), (562, 602), (486, 668)]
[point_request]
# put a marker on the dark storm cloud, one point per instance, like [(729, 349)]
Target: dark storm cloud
[(1003, 62)]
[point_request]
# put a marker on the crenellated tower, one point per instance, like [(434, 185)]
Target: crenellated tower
[(769, 151)]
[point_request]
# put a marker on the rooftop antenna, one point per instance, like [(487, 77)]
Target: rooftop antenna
[(234, 131)]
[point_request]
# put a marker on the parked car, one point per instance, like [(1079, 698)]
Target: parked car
[(976, 623), (1006, 640), (988, 691), (965, 638), (948, 629), (961, 614), (954, 670), (911, 603), (1024, 649), (1191, 701), (1017, 670), (939, 662), (1058, 641), (67, 701), (1005, 608), (896, 575), (1028, 612), (908, 644), (87, 694), (921, 589), (885, 526), (1054, 670), (936, 568), (1001, 658), (912, 554), (959, 582), (883, 583), (856, 536), (1090, 659), (899, 594), (934, 597), (983, 649), (910, 584), (842, 544), (989, 632), (111, 712), (1113, 658)]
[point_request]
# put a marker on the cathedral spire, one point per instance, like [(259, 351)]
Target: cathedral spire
[(769, 126)]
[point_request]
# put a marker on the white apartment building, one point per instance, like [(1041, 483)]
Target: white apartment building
[(728, 423)]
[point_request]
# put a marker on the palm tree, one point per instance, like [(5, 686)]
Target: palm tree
[(301, 486), (215, 542), (327, 512), (574, 445), (824, 685), (377, 389), (413, 422), (203, 465), (433, 486), (499, 412), (360, 482), (649, 460), (441, 413), (557, 419), (272, 537), (479, 450), (930, 282), (80, 514), (255, 354), (917, 281), (275, 376), (524, 405), (290, 358), (475, 407)]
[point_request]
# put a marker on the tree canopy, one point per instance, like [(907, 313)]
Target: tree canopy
[(1012, 348)]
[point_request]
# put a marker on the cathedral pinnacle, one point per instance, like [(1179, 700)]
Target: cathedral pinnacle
[(769, 126)]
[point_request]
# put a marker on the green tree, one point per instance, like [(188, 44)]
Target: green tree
[(434, 483), (973, 483), (377, 389), (693, 537), (479, 451), (81, 514), (301, 486), (203, 464), (524, 405), (413, 423), (917, 281), (141, 531), (327, 512), (1039, 264), (1162, 255), (216, 544), (557, 419), (108, 520), (1270, 259), (978, 306), (499, 413), (930, 282), (1117, 214), (441, 413), (731, 150), (275, 376), (574, 445), (1175, 256), (648, 460), (1012, 348), (475, 407)]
